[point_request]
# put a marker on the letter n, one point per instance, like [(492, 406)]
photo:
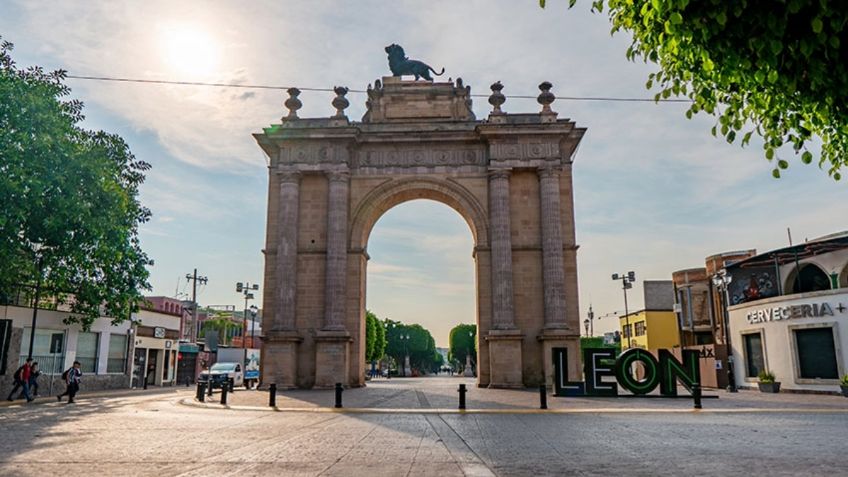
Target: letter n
[(672, 370)]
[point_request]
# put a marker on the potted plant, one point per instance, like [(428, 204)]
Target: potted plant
[(766, 382), (843, 383)]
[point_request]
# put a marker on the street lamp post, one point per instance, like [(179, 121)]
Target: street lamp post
[(253, 312), (469, 372), (406, 369), (586, 326), (245, 289), (626, 282), (591, 321), (722, 280)]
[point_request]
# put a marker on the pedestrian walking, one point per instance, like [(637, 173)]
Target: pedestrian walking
[(35, 372), (21, 378), (72, 379)]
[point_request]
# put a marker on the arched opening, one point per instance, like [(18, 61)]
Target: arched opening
[(421, 271), (810, 278), (843, 277)]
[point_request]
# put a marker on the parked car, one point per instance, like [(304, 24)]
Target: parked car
[(222, 374)]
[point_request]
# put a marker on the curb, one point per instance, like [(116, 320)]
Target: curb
[(189, 402)]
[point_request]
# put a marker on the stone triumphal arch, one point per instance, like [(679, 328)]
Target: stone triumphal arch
[(331, 179)]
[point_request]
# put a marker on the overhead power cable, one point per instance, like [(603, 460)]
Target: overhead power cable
[(283, 88)]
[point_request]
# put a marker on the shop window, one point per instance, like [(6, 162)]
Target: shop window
[(812, 278), (816, 353), (754, 359), (87, 344), (639, 328), (48, 350), (117, 362)]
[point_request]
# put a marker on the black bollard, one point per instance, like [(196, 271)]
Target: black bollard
[(462, 392), (339, 390), (272, 395), (696, 395), (209, 386), (201, 392), (543, 396), (224, 392), (188, 381), (145, 382)]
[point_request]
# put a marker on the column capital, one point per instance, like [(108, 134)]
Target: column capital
[(495, 174), (289, 176), (338, 176), (548, 171)]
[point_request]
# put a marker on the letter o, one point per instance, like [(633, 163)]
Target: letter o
[(624, 371)]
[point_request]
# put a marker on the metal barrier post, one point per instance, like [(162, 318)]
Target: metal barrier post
[(462, 392), (543, 397), (339, 390), (145, 382), (272, 395), (201, 392), (224, 393), (209, 386), (696, 395)]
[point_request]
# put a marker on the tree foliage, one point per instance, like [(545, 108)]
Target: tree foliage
[(375, 337), (68, 199), (778, 70), (419, 346), (463, 339)]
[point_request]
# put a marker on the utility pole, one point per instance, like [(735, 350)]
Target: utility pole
[(192, 333)]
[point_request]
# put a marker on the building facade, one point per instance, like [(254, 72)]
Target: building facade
[(789, 315), (157, 347), (104, 351)]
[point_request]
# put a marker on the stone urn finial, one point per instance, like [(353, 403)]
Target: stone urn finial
[(497, 98), (293, 104), (340, 102), (546, 97)]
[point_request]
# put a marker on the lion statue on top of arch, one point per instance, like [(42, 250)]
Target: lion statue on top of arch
[(401, 65)]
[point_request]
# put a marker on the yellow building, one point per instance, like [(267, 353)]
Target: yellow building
[(649, 329)]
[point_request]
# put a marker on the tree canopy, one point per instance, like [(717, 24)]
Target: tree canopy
[(375, 337), (463, 339), (69, 209), (417, 342), (775, 69)]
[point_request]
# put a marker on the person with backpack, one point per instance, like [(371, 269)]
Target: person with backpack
[(35, 372), (72, 379), (21, 378)]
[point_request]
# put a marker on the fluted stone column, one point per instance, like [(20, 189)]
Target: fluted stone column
[(504, 338), (280, 343), (336, 274), (503, 317), (286, 266), (553, 272), (332, 342)]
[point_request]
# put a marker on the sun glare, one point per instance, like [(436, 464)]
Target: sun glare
[(189, 50)]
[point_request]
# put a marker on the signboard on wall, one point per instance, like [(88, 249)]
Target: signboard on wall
[(749, 284)]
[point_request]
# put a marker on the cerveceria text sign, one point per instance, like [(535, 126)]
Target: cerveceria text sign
[(603, 372)]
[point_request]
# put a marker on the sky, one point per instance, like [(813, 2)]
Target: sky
[(654, 192)]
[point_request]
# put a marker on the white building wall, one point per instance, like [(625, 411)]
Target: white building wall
[(779, 348)]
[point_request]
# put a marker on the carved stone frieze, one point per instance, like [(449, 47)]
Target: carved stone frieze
[(527, 150), (421, 157), (313, 154)]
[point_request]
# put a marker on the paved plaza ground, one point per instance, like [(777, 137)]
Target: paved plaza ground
[(417, 431)]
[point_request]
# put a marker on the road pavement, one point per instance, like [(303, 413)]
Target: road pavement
[(157, 434)]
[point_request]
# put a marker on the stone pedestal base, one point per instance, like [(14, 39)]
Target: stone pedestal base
[(560, 338), (279, 359), (332, 355), (505, 359)]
